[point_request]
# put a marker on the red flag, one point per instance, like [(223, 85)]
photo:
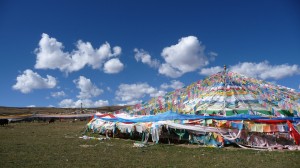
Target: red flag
[(294, 133)]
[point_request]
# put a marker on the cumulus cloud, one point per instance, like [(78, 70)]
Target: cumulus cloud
[(58, 94), (86, 103), (210, 71), (145, 57), (186, 56), (87, 88), (133, 92), (101, 103), (264, 70), (158, 93), (175, 84), (133, 102), (168, 70), (30, 80), (116, 51), (113, 66), (66, 103), (31, 106), (50, 55)]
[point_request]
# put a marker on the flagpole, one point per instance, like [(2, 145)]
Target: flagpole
[(224, 78)]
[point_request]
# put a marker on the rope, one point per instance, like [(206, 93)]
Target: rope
[(242, 95), (231, 138), (253, 148), (210, 104)]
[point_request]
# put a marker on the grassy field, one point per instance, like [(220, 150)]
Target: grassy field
[(4, 111), (58, 145)]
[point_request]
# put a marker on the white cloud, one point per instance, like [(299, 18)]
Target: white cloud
[(58, 94), (264, 70), (66, 103), (117, 51), (186, 56), (210, 71), (86, 103), (158, 93), (133, 102), (175, 84), (30, 80), (87, 88), (113, 66), (50, 55), (101, 103), (31, 106), (145, 57), (212, 55), (133, 92), (168, 70)]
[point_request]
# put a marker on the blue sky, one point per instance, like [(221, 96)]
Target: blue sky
[(62, 53)]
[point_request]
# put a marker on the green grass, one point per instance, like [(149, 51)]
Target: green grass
[(58, 145)]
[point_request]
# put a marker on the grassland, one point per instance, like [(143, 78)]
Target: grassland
[(52, 110), (58, 145)]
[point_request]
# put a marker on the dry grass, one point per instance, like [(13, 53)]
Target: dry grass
[(58, 145)]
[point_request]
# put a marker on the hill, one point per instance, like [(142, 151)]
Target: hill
[(52, 110)]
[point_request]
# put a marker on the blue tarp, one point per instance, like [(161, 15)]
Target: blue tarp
[(169, 115)]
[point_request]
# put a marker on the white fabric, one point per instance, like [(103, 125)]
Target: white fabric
[(125, 128), (196, 128)]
